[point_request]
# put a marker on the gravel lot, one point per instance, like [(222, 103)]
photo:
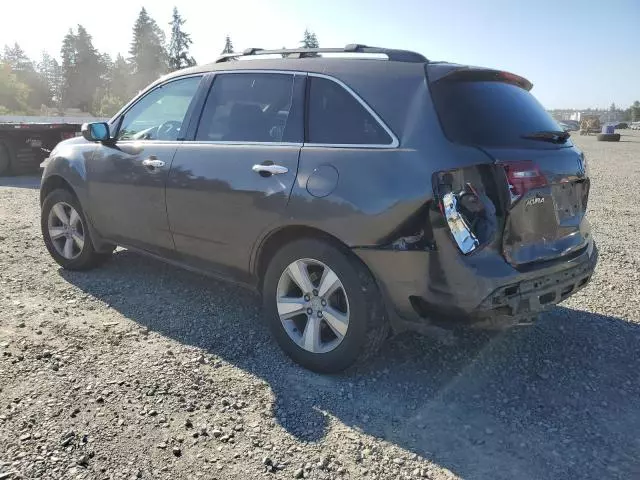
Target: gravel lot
[(141, 370)]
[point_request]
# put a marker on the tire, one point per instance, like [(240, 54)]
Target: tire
[(608, 137), (80, 258), (5, 159), (367, 323)]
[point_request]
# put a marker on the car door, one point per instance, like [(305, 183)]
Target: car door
[(127, 176), (233, 179)]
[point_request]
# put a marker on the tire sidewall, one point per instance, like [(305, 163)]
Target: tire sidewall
[(88, 253), (348, 272)]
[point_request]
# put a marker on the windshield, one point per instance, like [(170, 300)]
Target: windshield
[(491, 114)]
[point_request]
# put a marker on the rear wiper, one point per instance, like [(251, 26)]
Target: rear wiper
[(553, 136)]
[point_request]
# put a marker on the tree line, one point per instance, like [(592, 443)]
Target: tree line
[(94, 82)]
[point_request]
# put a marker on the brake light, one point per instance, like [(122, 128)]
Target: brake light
[(523, 175)]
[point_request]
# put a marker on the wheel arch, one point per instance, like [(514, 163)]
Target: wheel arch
[(275, 239), (54, 182)]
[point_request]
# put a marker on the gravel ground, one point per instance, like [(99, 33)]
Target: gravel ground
[(140, 370)]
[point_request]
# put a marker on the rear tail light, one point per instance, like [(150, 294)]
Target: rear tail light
[(523, 175)]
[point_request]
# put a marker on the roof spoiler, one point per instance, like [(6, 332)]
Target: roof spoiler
[(471, 74)]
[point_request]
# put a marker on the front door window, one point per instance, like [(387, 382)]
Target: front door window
[(160, 114)]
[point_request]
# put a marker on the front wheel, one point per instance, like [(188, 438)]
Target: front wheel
[(323, 306), (66, 233)]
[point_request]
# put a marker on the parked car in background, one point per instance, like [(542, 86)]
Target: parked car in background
[(622, 125), (573, 125), (318, 182)]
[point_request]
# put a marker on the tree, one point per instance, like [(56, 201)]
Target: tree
[(120, 85), (309, 40), (228, 45), (179, 44), (17, 59), (13, 93), (83, 70), (26, 73), (613, 107), (50, 72), (148, 56)]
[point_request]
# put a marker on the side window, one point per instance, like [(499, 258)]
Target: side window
[(336, 117), (159, 114), (251, 107)]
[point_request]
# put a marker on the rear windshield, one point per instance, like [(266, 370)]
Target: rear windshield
[(491, 114)]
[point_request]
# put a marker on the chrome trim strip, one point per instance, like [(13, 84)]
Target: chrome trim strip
[(231, 142)]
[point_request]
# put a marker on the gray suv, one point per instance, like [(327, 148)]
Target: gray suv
[(363, 195)]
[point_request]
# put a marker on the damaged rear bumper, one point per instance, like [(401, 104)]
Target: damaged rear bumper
[(420, 291)]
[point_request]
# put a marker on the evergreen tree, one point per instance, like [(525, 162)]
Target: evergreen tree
[(148, 56), (120, 86), (17, 59), (83, 70), (228, 45), (51, 74), (309, 40), (179, 44)]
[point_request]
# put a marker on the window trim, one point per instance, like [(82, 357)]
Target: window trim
[(118, 117), (395, 143)]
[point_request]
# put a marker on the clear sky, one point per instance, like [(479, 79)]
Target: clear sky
[(577, 53)]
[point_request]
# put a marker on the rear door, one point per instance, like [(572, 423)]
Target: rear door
[(233, 178), (544, 172)]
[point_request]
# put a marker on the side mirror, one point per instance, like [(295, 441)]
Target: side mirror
[(96, 132)]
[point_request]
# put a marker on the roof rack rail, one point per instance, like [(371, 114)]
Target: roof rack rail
[(391, 53)]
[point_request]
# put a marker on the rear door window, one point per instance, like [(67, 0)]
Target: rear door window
[(491, 114), (251, 107), (336, 117)]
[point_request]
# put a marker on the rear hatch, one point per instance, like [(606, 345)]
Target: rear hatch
[(534, 159)]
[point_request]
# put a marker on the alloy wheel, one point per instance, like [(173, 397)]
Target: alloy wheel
[(66, 230), (312, 305)]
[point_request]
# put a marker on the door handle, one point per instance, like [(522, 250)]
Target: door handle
[(153, 162), (270, 169)]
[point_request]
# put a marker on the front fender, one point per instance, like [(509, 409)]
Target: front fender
[(68, 162)]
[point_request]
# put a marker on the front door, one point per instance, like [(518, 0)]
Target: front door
[(127, 177), (233, 180)]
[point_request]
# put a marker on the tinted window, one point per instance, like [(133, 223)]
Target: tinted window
[(159, 114), (336, 117), (250, 107), (491, 113)]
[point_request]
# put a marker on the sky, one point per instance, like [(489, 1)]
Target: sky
[(577, 53)]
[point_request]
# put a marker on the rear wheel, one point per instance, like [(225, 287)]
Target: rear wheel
[(66, 233), (608, 137), (323, 306)]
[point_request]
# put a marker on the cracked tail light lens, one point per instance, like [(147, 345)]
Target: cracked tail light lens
[(523, 175)]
